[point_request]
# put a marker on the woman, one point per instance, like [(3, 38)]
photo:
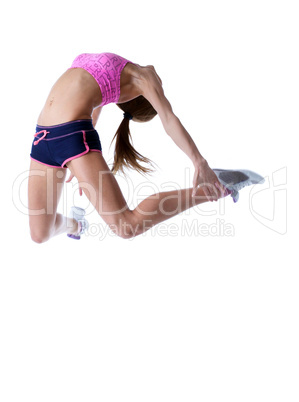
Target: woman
[(65, 138)]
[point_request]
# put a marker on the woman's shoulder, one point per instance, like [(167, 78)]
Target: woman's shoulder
[(147, 75)]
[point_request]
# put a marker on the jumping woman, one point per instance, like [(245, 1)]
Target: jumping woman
[(66, 138)]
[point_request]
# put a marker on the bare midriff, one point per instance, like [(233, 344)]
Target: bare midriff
[(76, 94)]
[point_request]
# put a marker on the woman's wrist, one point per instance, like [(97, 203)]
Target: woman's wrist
[(198, 160)]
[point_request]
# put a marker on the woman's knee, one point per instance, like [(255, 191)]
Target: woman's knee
[(126, 226), (39, 236), (39, 233)]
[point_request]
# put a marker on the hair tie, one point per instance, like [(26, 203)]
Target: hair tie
[(128, 116)]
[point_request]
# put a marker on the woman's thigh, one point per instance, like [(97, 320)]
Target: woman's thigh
[(44, 190), (101, 187)]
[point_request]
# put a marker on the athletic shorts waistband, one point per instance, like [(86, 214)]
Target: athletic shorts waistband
[(67, 127)]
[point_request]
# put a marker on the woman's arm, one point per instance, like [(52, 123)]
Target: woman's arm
[(153, 92), (204, 176)]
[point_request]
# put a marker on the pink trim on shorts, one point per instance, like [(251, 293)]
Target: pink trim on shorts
[(42, 163), (83, 153)]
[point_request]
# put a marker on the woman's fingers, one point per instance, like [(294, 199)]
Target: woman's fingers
[(215, 191), (220, 190), (208, 190), (223, 190), (71, 176), (70, 179), (212, 190), (195, 187), (212, 196), (195, 183)]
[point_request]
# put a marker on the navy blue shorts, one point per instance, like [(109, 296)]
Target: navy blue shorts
[(55, 146)]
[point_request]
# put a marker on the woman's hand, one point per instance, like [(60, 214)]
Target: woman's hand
[(70, 179), (205, 178)]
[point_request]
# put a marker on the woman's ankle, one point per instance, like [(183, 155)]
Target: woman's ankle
[(73, 226)]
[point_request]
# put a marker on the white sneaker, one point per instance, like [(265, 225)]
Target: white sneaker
[(235, 180), (78, 214)]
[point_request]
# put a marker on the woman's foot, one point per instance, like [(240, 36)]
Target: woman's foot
[(235, 180), (78, 214)]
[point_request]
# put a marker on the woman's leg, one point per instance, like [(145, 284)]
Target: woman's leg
[(44, 191), (103, 191)]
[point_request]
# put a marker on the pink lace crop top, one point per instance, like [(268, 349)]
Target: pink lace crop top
[(106, 69)]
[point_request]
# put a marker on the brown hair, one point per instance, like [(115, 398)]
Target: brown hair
[(125, 155)]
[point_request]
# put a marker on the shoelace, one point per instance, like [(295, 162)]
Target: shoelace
[(41, 138)]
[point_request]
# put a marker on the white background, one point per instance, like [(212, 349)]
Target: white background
[(171, 315)]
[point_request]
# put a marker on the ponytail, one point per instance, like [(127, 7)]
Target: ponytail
[(125, 155)]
